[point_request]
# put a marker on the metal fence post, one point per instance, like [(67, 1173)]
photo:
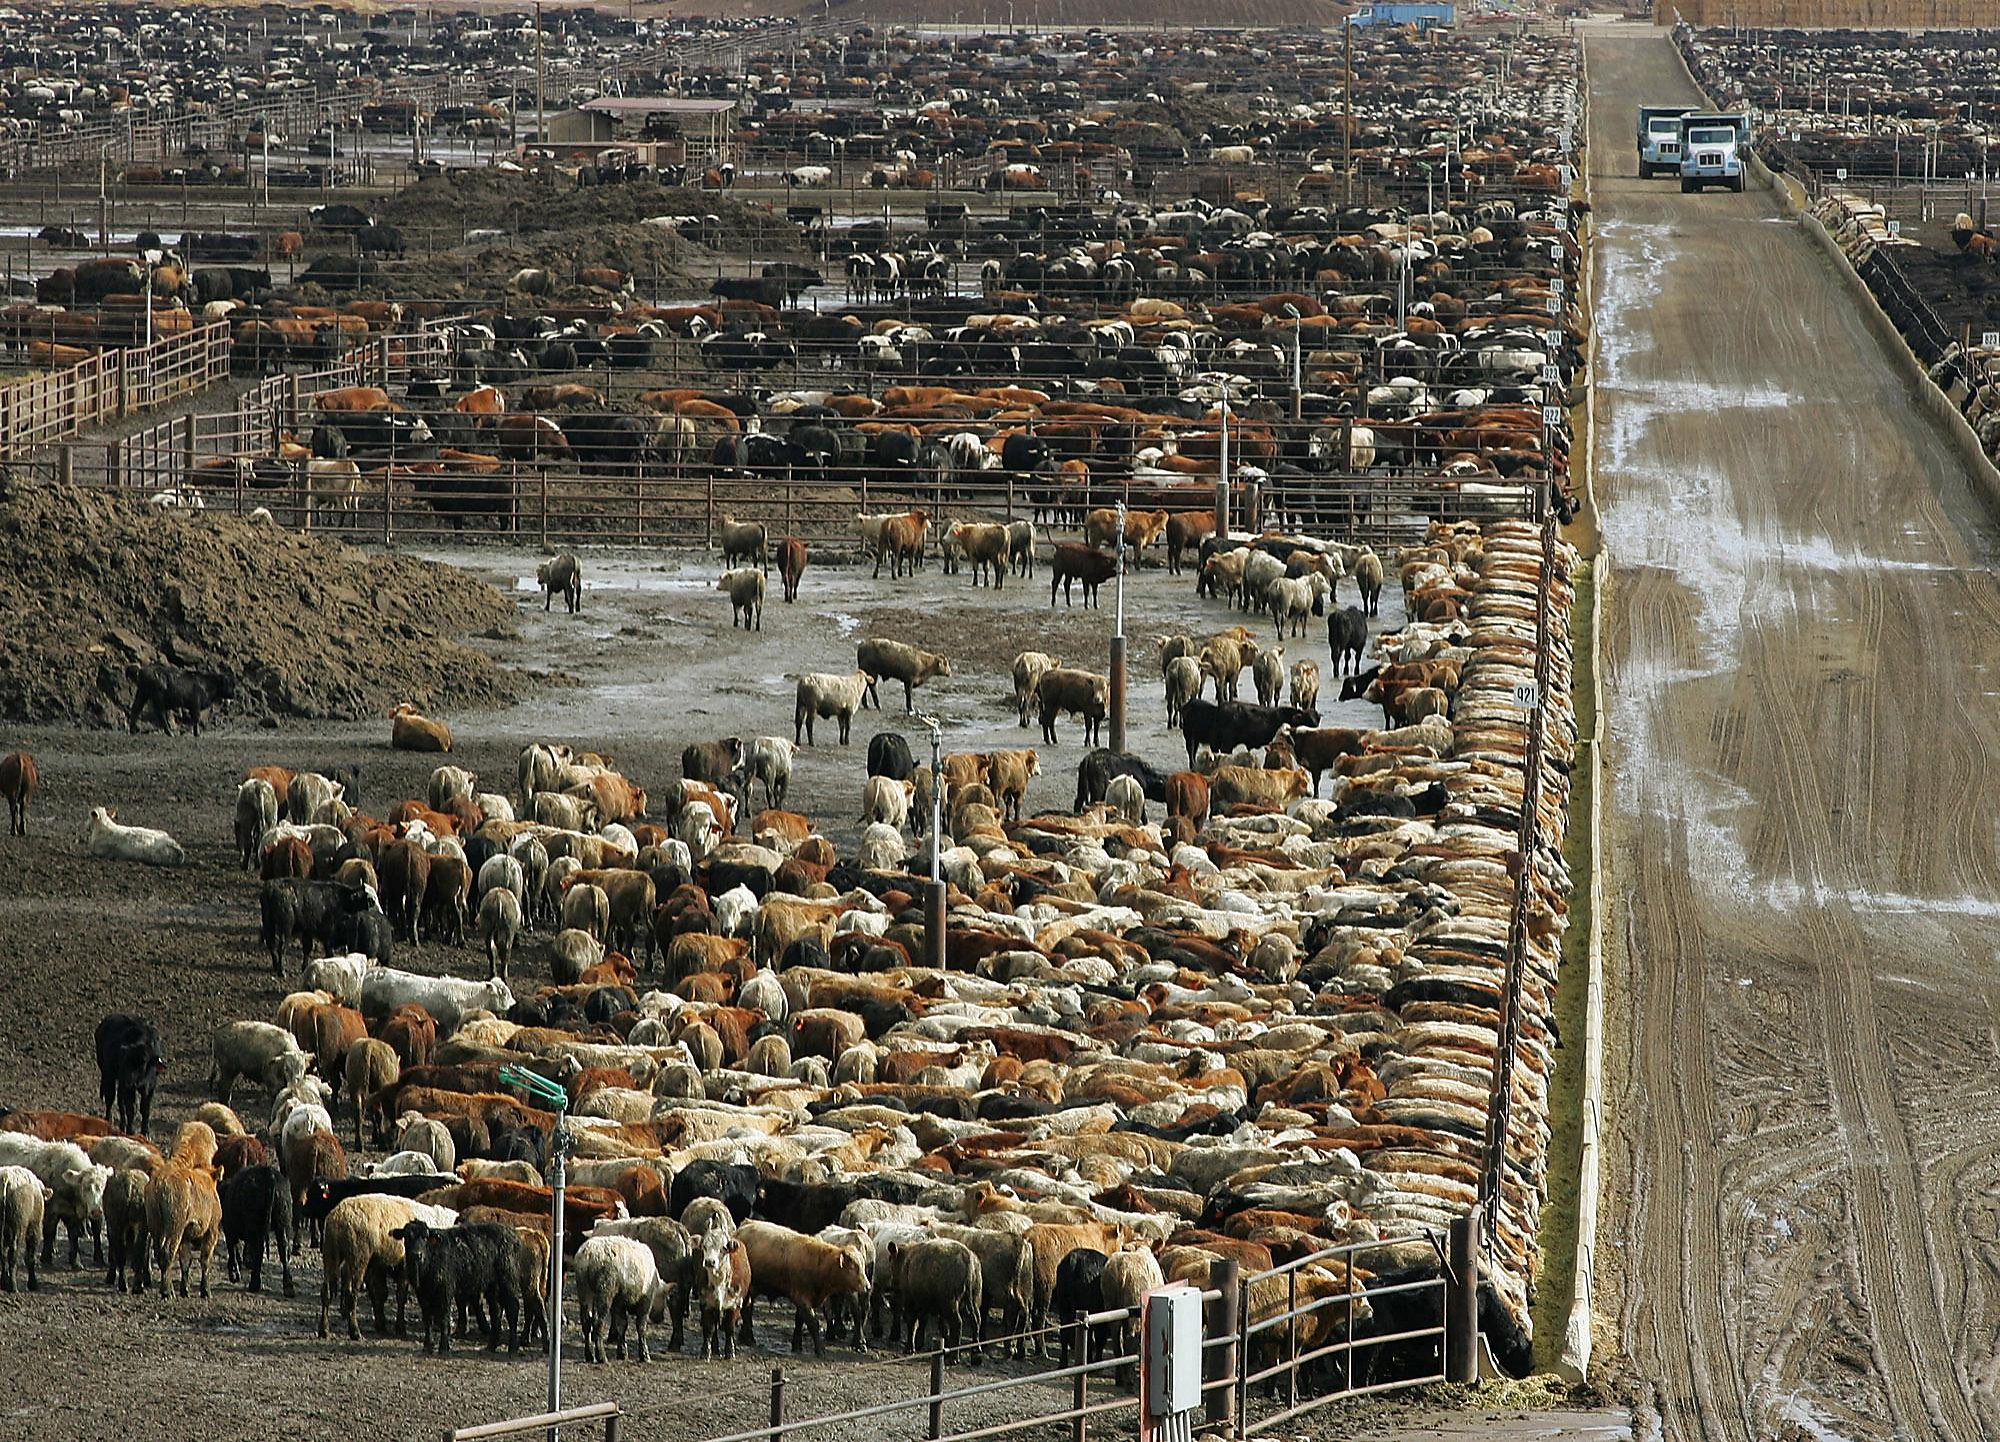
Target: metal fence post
[(187, 449), (777, 1404), (1243, 1355), (1461, 1301), (1079, 1429), (1222, 1361), (937, 1395)]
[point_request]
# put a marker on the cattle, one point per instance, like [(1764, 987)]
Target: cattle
[(803, 1270), (1347, 635), (889, 755), (1084, 694), (561, 574), (985, 546), (898, 661), (170, 693), (1094, 773), (129, 1063), (1222, 726), (745, 587), (1071, 563), (791, 565), (901, 540), (744, 541), (824, 694), (18, 780)]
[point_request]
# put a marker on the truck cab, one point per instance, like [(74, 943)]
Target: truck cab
[(1713, 149), (1660, 139)]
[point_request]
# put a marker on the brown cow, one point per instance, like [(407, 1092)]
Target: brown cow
[(791, 565), (1186, 530), (902, 541), (18, 780), (354, 398)]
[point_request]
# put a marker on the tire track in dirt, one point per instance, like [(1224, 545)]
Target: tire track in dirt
[(1802, 640)]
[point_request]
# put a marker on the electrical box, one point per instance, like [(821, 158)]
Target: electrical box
[(1173, 1350)]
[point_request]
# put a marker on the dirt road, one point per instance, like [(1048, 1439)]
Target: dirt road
[(1801, 1227)]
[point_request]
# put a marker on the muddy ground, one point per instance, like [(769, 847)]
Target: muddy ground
[(656, 664)]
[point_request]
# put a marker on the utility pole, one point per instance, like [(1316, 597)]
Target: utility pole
[(1118, 646), (541, 82), (934, 893), (552, 1096), (1347, 112)]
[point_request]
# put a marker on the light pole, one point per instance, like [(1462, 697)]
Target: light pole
[(934, 890), (1118, 645), (557, 1100)]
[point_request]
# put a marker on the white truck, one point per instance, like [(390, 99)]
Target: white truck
[(1660, 139), (1714, 148)]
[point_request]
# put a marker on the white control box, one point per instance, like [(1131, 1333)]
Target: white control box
[(1173, 1350)]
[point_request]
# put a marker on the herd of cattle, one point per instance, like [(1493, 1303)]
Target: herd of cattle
[(1427, 326), (1249, 1024)]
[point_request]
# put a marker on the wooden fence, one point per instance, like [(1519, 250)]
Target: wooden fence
[(48, 409)]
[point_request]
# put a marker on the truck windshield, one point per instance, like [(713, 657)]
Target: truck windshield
[(1664, 126), (1712, 135)]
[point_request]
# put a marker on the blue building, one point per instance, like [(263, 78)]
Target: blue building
[(1421, 13)]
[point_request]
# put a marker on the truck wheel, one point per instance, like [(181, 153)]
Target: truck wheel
[(1688, 187), (1645, 171), (1737, 185)]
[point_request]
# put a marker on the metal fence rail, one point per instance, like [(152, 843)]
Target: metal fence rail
[(48, 409), (227, 460), (1239, 1390)]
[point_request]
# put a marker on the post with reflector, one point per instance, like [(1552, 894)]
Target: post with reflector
[(1118, 646), (556, 1100), (934, 889)]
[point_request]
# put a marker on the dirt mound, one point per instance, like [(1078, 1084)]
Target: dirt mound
[(96, 583), (495, 199), (564, 230), (658, 261)]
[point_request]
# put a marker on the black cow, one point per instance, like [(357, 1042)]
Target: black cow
[(1346, 635), (380, 432), (796, 278), (1023, 452), (764, 290), (200, 245), (458, 1268), (257, 1210), (734, 1184), (608, 438), (1095, 771), (129, 1063), (805, 1206), (340, 272), (339, 217), (311, 911), (1356, 686), (167, 692), (889, 755), (1222, 726), (329, 443), (364, 928), (1078, 1291), (379, 240)]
